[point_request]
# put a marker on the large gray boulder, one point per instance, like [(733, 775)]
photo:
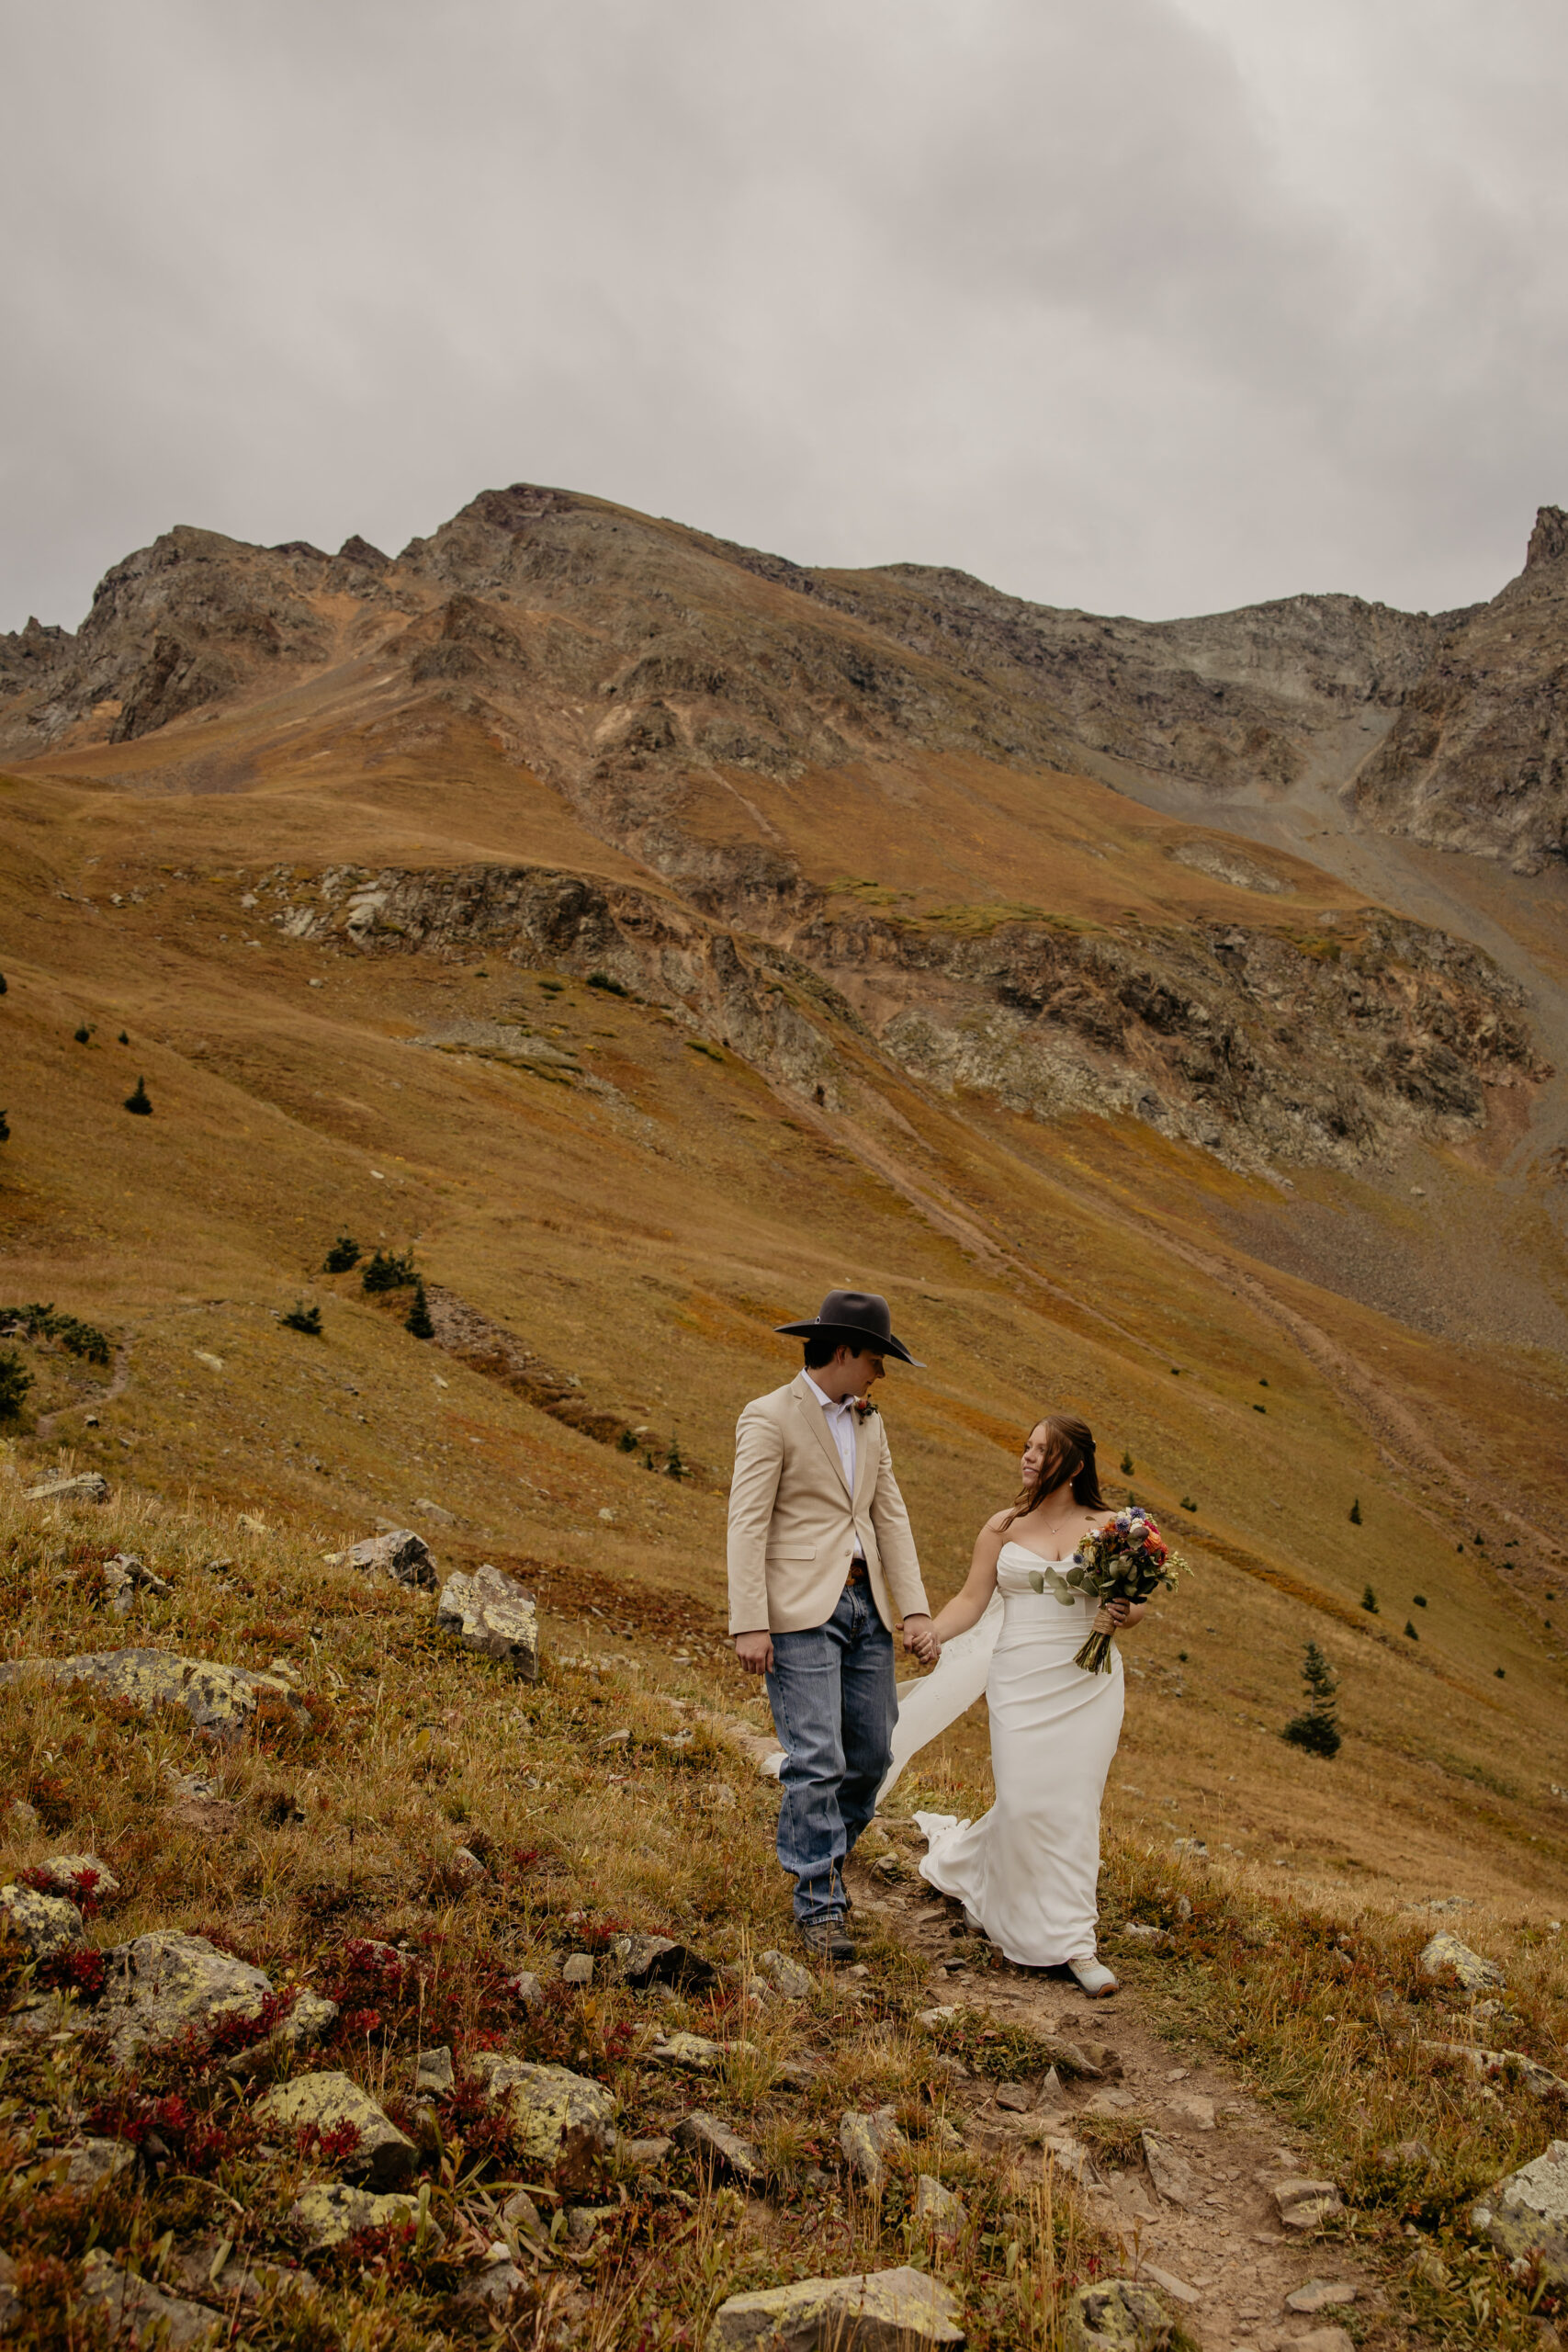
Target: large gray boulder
[(494, 1615), (1526, 2213), (162, 1986), (561, 2118), (220, 1699), (325, 2103), (876, 2310), (45, 1923)]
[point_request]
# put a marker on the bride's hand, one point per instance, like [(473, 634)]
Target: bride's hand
[(1111, 1616)]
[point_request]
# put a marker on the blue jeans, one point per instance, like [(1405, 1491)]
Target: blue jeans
[(834, 1706)]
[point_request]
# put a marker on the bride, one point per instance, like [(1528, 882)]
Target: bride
[(1027, 1872)]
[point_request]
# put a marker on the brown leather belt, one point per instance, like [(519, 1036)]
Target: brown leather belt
[(857, 1574)]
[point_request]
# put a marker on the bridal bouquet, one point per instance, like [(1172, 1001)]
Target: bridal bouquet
[(1125, 1561)]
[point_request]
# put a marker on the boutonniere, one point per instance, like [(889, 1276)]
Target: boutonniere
[(864, 1408)]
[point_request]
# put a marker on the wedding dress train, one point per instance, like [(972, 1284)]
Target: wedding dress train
[(1027, 1872)]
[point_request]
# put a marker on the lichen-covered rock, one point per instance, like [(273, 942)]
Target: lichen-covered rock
[(88, 2163), (220, 1699), (937, 2211), (434, 2075), (876, 2310), (1305, 2204), (139, 2311), (326, 2103), (45, 1923), (401, 1554), (1115, 2315), (492, 2281), (309, 2021), (797, 1983), (1491, 2064), (709, 2138), (1526, 2214), (494, 1615), (692, 2053), (89, 1488), (78, 1876), (162, 1986), (559, 2117), (1444, 1953), (866, 2140), (332, 2211)]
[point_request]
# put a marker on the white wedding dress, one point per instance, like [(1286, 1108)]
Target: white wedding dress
[(1027, 1872)]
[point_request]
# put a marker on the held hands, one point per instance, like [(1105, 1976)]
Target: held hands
[(921, 1636)]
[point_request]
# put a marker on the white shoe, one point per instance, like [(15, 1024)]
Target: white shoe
[(1096, 1981)]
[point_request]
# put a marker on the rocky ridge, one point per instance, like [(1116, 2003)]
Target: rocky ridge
[(1255, 1043)]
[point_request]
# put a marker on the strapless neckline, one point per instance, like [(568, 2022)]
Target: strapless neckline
[(1064, 1561)]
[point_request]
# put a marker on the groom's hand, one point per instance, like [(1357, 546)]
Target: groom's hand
[(920, 1636), (755, 1652)]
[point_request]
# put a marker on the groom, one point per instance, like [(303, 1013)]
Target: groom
[(820, 1554)]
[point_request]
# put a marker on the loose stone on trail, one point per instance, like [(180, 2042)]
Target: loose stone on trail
[(879, 2310), (1305, 2204), (1117, 2315)]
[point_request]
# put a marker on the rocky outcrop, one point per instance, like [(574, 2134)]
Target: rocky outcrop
[(400, 1554), (1478, 757), (1263, 1044), (222, 1700)]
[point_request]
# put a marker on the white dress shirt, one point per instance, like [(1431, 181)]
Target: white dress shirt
[(840, 1417)]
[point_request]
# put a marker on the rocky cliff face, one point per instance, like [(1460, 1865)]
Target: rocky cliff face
[(1253, 1045), (1478, 757)]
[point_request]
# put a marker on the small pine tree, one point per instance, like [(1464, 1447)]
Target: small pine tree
[(1128, 1464), (123, 1038), (137, 1102), (1317, 1730), (3, 984), (387, 1270), (417, 1320), (4, 1128), (344, 1255), (648, 1461), (1410, 1629), (1370, 1602), (628, 1443), (14, 1382), (1188, 1503), (674, 1467), (301, 1317), (84, 1036), (1418, 1600), (1356, 1512)]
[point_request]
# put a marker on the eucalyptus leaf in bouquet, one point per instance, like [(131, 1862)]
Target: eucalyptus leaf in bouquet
[(1127, 1559)]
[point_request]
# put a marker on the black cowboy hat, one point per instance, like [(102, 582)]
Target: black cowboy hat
[(859, 1315)]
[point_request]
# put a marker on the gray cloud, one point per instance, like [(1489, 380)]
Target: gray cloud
[(1159, 305)]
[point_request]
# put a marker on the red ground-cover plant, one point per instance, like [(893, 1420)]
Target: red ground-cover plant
[(169, 2126), (82, 1888), (77, 1971), (333, 2145)]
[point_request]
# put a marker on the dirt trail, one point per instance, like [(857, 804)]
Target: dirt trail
[(1232, 2261), (1212, 2242)]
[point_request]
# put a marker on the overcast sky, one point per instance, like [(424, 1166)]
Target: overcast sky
[(1155, 306)]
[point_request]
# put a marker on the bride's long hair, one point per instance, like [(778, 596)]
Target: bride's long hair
[(1068, 1455)]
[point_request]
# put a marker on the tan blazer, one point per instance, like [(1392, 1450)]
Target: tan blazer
[(793, 1521)]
